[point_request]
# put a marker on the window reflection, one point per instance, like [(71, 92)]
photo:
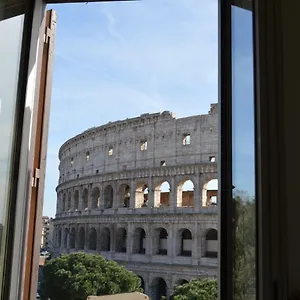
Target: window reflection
[(10, 48)]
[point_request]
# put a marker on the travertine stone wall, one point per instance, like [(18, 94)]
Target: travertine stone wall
[(102, 206), (162, 131)]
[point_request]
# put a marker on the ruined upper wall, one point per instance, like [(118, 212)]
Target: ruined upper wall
[(88, 153)]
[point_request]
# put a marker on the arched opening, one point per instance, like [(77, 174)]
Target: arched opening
[(121, 240), (210, 193), (162, 195), (141, 195), (108, 197), (181, 282), (158, 288), (211, 243), (184, 242), (66, 233), (81, 238), (92, 239), (72, 238), (76, 200), (185, 194), (59, 238), (64, 202), (139, 241), (124, 195), (160, 242), (95, 198), (142, 283), (105, 239), (85, 199)]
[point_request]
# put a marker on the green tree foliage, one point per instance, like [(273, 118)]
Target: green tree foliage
[(244, 250), (78, 275), (198, 289)]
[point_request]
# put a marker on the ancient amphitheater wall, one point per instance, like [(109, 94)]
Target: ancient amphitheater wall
[(138, 143), (122, 193)]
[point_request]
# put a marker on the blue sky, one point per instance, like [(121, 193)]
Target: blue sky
[(119, 60)]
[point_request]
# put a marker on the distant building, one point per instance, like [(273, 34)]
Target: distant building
[(50, 234), (46, 236)]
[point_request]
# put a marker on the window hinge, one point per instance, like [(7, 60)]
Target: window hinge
[(47, 35), (35, 177)]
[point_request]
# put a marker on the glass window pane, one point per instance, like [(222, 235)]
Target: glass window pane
[(243, 151), (10, 48)]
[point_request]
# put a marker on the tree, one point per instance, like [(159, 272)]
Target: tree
[(78, 275), (244, 250), (198, 289)]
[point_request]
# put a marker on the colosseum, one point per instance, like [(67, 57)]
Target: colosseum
[(137, 191)]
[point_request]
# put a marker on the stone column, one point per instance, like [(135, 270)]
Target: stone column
[(132, 194), (76, 237), (196, 244), (173, 195), (115, 196), (61, 237), (98, 246), (112, 238), (68, 236), (129, 241), (150, 193), (86, 242), (90, 198), (80, 198), (149, 239), (58, 203), (73, 199), (101, 200), (147, 287), (171, 241), (197, 193)]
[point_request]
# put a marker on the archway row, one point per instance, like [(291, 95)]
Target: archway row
[(161, 197)]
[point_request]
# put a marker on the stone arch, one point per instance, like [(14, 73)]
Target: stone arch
[(108, 196), (160, 241), (158, 288), (92, 245), (64, 202), (66, 236), (211, 243), (210, 192), (124, 195), (72, 238), (139, 241), (95, 198), (141, 195), (85, 199), (121, 240), (181, 282), (81, 238), (69, 201), (105, 239), (76, 200), (162, 194), (184, 242), (185, 193)]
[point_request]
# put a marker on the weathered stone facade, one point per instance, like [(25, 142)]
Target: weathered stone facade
[(110, 198)]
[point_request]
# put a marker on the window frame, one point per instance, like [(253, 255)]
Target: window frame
[(268, 92)]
